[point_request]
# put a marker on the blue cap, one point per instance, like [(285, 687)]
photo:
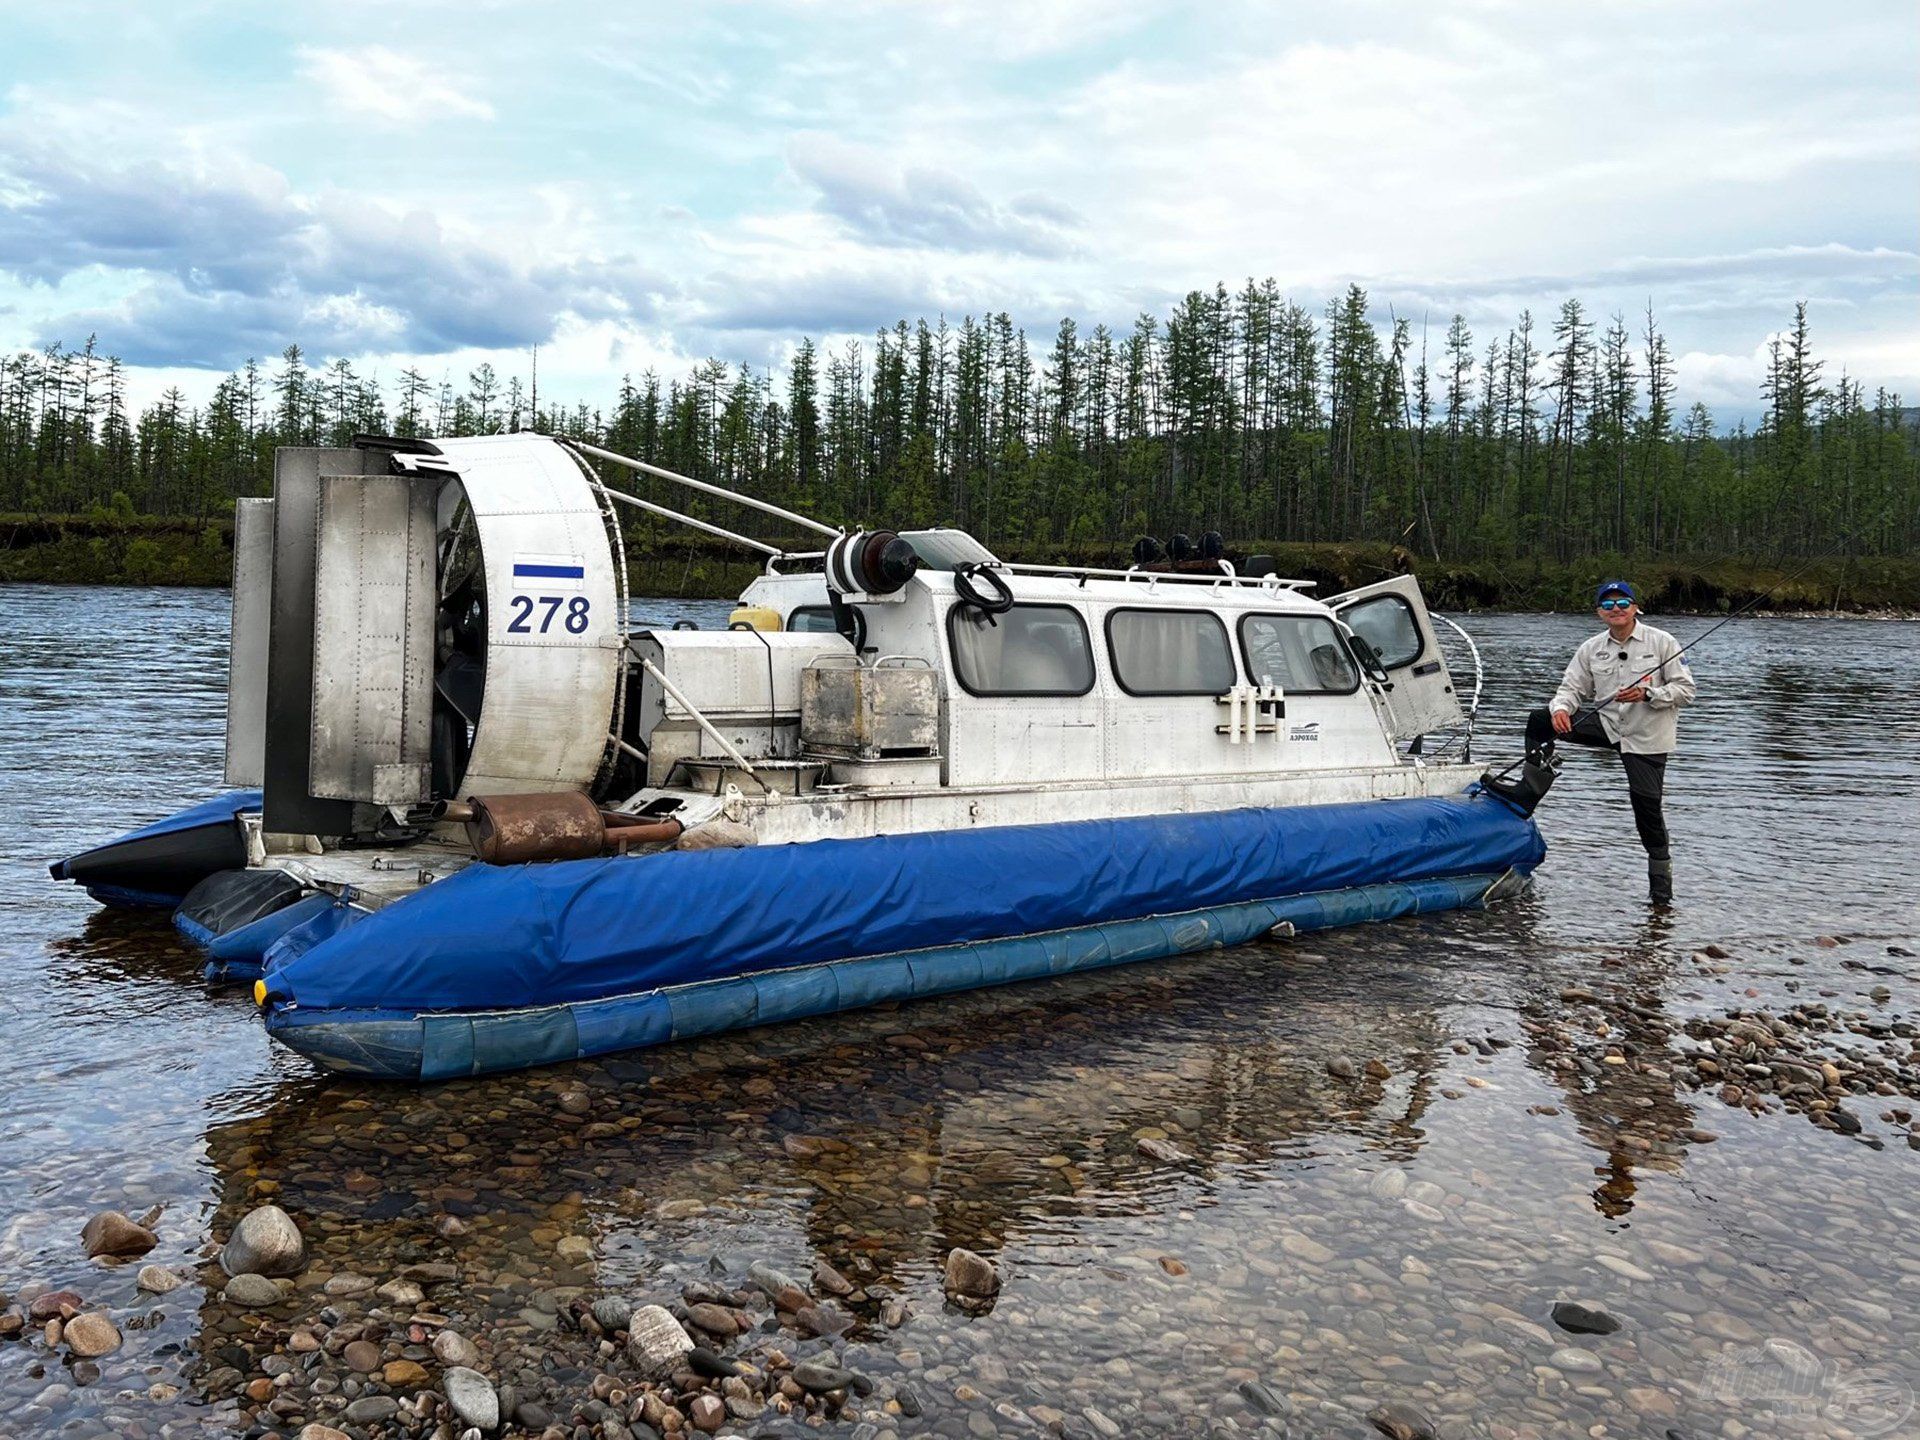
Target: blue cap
[(1614, 587)]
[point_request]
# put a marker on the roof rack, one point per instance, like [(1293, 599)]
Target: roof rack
[(1227, 575)]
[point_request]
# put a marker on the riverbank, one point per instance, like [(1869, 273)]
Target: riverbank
[(162, 550)]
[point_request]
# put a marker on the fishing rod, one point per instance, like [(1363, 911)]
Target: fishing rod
[(1598, 704)]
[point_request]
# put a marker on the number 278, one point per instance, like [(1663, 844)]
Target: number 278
[(574, 619)]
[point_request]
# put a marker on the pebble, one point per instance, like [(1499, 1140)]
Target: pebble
[(1304, 1247), (51, 1304), (362, 1355), (1401, 1422), (157, 1280), (371, 1410), (450, 1347), (92, 1335), (1579, 1362), (656, 1342), (708, 1413), (970, 1275), (255, 1292), (611, 1312)]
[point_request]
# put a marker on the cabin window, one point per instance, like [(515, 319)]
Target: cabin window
[(1032, 650), (1303, 654), (1170, 652), (812, 619), (1386, 622)]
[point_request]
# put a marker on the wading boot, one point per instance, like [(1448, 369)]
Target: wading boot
[(1660, 879), (1524, 793)]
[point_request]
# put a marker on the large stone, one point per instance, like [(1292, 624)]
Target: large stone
[(111, 1233), (821, 1375), (1581, 1319), (708, 1412), (265, 1242), (473, 1397), (657, 1342), (157, 1280), (255, 1292), (323, 1432), (91, 1335), (971, 1276)]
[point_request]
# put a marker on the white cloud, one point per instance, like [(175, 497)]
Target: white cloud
[(373, 82)]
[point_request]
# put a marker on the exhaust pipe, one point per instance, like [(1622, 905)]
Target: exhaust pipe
[(516, 829)]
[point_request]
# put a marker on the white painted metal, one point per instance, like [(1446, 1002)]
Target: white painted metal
[(688, 520), (247, 653), (804, 521), (674, 693), (373, 609), (784, 818), (1422, 699), (549, 698), (719, 709)]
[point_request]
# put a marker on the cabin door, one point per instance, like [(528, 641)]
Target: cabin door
[(1392, 617)]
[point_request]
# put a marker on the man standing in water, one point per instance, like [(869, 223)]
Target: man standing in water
[(1634, 679)]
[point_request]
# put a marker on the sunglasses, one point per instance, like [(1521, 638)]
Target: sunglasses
[(1615, 604)]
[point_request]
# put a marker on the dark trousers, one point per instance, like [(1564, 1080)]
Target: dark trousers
[(1646, 774)]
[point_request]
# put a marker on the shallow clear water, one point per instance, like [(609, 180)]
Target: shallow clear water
[(1346, 1242)]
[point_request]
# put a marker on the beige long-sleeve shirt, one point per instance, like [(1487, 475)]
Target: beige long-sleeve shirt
[(1603, 666)]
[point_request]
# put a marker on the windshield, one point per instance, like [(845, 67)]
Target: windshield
[(944, 549)]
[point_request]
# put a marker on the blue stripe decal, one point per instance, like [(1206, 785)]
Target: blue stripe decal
[(551, 572)]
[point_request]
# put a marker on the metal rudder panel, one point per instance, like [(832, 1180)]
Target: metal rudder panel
[(373, 610), (290, 807), (247, 659)]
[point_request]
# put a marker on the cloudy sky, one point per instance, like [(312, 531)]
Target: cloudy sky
[(445, 182)]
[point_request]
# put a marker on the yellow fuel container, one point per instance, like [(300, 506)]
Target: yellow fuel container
[(760, 617)]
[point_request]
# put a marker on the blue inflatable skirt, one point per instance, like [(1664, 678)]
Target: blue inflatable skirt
[(500, 968)]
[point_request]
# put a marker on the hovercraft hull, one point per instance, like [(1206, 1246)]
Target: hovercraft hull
[(501, 968), (155, 866)]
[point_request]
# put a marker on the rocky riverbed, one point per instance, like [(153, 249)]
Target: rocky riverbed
[(1089, 1209), (1562, 1168)]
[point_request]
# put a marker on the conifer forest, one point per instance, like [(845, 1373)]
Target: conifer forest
[(1239, 411)]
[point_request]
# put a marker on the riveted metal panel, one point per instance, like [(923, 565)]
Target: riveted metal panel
[(247, 654), (373, 639), (290, 807), (553, 637)]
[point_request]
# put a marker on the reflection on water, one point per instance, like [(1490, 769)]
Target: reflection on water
[(1382, 1155)]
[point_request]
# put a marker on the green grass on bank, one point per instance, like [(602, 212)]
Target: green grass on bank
[(146, 550)]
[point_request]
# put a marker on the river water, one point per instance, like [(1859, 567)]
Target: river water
[(1340, 1235)]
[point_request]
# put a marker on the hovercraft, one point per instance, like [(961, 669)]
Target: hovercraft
[(478, 822)]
